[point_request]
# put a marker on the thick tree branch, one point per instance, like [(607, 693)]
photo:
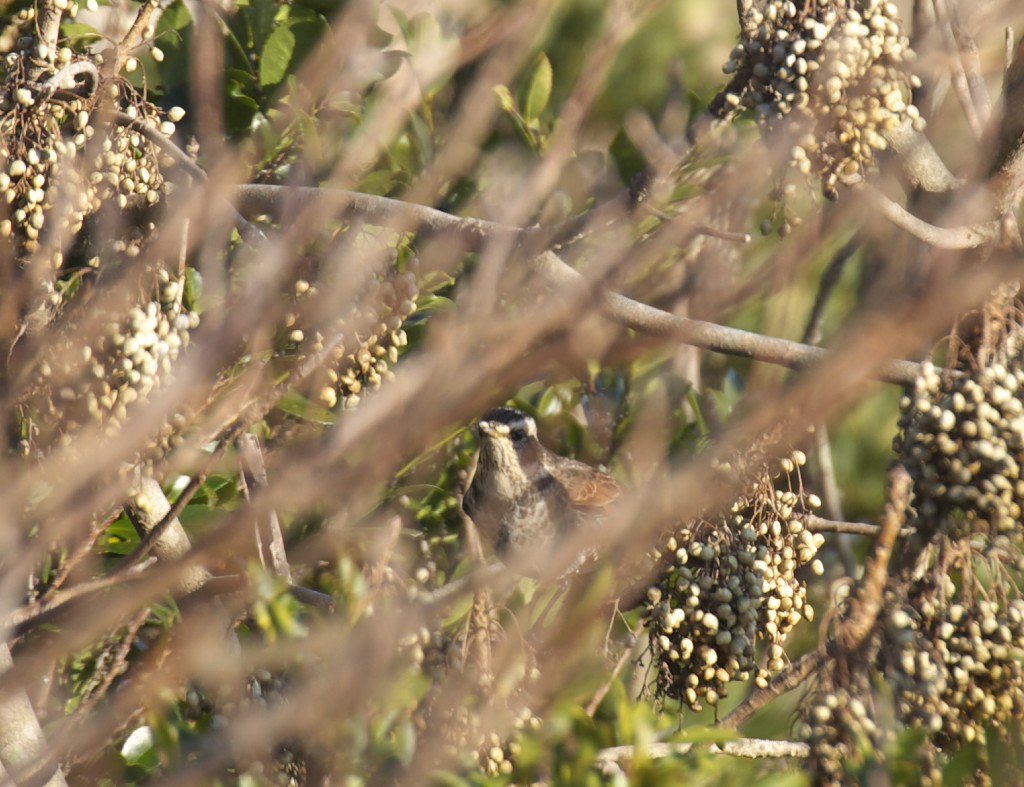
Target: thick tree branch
[(48, 32), (149, 508), (920, 162), (1007, 170), (22, 744), (866, 599)]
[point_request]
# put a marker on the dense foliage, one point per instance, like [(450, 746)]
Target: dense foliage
[(262, 265)]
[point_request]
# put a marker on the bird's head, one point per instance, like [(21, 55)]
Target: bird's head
[(508, 440)]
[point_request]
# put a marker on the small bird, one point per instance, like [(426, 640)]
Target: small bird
[(525, 499)]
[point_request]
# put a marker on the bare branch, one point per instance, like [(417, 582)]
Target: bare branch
[(829, 279), (149, 508), (1007, 170), (22, 744), (269, 540), (64, 78), (627, 651), (920, 162), (963, 57), (966, 237), (787, 680), (866, 600), (750, 748), (625, 311), (132, 38), (710, 336), (26, 618), (821, 525)]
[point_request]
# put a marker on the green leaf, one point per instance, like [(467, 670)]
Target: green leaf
[(174, 37), (175, 17), (628, 159), (379, 182), (79, 31), (193, 289), (309, 28), (299, 406), (277, 55), (119, 538), (261, 19), (239, 109), (428, 304), (534, 99)]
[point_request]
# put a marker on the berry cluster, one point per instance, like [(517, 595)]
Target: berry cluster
[(53, 172), (839, 728), (372, 336), (954, 665), (58, 170), (835, 67), (464, 727), (961, 439), (465, 740), (728, 585), (125, 358)]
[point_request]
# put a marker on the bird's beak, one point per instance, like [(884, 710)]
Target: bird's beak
[(486, 428)]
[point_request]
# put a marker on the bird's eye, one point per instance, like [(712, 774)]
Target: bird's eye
[(518, 434)]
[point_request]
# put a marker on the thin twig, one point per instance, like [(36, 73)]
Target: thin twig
[(829, 280), (133, 36), (817, 524), (813, 334), (151, 536), (958, 72), (738, 237), (26, 618), (269, 540), (377, 572), (313, 598), (627, 651), (971, 64)]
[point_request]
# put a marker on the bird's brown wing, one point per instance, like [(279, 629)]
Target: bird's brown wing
[(586, 486)]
